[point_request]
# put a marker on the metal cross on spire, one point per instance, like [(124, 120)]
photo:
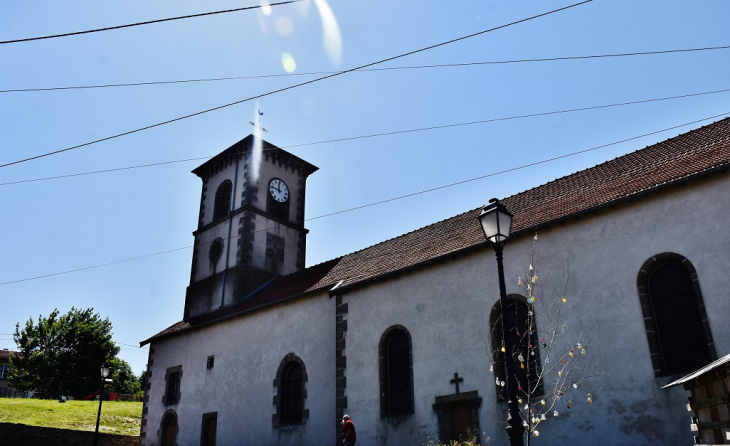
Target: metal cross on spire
[(257, 124)]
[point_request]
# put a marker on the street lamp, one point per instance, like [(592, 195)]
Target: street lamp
[(496, 223), (105, 369)]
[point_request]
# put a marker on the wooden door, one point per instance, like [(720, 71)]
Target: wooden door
[(209, 428), (462, 425)]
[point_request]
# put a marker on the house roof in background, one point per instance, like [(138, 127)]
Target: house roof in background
[(677, 159)]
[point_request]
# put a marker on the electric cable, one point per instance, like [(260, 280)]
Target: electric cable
[(414, 67), (376, 203), (373, 135), (458, 39), (148, 22)]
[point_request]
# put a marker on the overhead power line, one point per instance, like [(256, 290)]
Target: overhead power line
[(413, 67), (458, 39), (373, 135), (148, 22), (401, 197)]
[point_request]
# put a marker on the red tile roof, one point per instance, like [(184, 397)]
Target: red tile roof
[(5, 355), (675, 159)]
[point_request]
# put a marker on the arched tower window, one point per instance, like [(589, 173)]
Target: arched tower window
[(674, 315), (291, 395), (524, 341), (222, 200), (396, 372)]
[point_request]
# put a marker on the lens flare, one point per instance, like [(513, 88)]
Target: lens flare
[(331, 37), (284, 26), (265, 8), (257, 146), (288, 62)]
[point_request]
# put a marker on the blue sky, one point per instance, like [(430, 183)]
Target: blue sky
[(64, 224)]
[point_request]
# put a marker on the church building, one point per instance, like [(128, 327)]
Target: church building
[(403, 336)]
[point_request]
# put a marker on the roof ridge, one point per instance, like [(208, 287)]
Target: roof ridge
[(626, 155)]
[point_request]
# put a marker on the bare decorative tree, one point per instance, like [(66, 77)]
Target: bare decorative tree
[(551, 375)]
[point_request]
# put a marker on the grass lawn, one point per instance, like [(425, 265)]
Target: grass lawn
[(116, 417)]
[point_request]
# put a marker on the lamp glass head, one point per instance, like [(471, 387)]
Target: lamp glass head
[(105, 369), (496, 222)]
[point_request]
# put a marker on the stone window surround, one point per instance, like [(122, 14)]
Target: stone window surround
[(646, 309), (278, 384), (382, 355)]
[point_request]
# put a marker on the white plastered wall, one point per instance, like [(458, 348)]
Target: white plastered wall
[(248, 352), (446, 310)]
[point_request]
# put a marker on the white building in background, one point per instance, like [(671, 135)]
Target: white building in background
[(399, 335)]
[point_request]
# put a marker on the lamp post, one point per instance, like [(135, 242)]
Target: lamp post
[(105, 369), (496, 222)]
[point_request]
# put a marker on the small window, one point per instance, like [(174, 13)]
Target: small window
[(222, 200), (291, 392), (396, 372), (172, 386), (210, 362), (216, 250), (4, 370)]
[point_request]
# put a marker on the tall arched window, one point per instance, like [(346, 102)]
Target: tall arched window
[(526, 357), (396, 372), (222, 200), (674, 315), (292, 400), (291, 392)]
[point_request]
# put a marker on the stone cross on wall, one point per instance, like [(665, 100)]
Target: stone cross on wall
[(456, 381)]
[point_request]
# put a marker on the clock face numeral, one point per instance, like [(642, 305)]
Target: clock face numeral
[(278, 190)]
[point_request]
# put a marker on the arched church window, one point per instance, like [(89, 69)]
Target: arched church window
[(523, 334), (291, 392), (674, 314), (396, 372), (222, 200)]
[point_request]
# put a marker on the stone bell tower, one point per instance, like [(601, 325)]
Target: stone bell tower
[(249, 230)]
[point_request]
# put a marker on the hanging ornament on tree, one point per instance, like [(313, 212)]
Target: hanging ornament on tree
[(519, 401), (527, 407), (501, 383), (491, 367), (536, 433), (571, 353), (519, 281), (542, 417), (564, 299), (570, 404), (503, 350), (575, 385), (522, 365), (542, 402), (583, 351), (521, 358), (555, 414), (590, 399)]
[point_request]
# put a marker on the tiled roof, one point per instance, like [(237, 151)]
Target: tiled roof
[(5, 355), (674, 159)]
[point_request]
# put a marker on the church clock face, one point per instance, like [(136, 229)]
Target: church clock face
[(278, 190)]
